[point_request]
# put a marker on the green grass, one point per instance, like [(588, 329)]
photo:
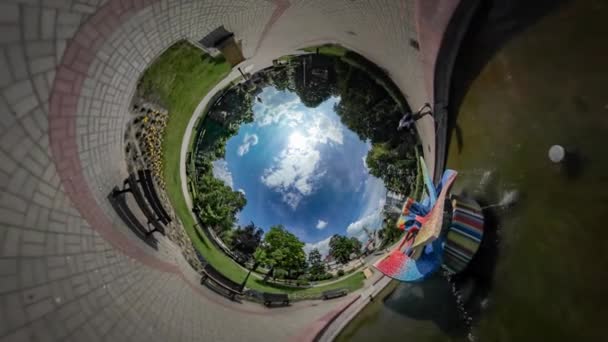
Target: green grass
[(351, 283), (179, 79), (328, 49)]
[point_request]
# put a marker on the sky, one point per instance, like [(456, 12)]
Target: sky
[(302, 168)]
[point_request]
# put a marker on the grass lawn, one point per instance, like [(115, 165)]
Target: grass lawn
[(179, 79), (352, 283)]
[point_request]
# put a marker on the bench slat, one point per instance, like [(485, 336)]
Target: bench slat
[(148, 185), (141, 202), (221, 280), (118, 202)]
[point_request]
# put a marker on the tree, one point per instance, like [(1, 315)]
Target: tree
[(283, 250), (217, 203), (282, 78), (316, 265), (356, 245), (340, 248), (246, 240), (389, 233), (315, 79), (233, 108), (398, 171)]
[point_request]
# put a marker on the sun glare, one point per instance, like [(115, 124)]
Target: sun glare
[(297, 140)]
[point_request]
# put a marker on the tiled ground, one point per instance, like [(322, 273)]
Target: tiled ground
[(69, 269)]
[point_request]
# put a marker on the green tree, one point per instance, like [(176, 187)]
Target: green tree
[(234, 107), (356, 245), (217, 203), (389, 233), (316, 267), (283, 250), (398, 171), (246, 240), (340, 248), (282, 77)]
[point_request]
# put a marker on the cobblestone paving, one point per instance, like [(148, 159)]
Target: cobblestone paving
[(69, 269)]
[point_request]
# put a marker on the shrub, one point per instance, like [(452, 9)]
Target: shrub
[(340, 273)]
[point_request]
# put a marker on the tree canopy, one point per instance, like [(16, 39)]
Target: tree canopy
[(283, 249), (341, 247), (246, 240), (316, 267)]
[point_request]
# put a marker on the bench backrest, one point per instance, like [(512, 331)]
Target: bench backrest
[(336, 292), (147, 183), (275, 296), (217, 276), (139, 198), (117, 200)]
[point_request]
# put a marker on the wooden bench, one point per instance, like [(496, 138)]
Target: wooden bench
[(147, 199), (147, 183), (269, 298), (330, 294), (130, 185), (232, 289), (119, 203)]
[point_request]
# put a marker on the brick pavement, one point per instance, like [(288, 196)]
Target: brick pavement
[(69, 269)]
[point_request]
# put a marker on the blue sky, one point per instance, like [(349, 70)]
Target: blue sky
[(302, 168)]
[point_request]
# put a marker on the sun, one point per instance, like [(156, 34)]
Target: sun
[(297, 140)]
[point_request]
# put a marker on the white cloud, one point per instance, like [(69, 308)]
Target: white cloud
[(322, 246), (242, 191), (248, 141), (365, 163), (296, 168), (221, 172), (371, 221), (321, 224), (282, 108)]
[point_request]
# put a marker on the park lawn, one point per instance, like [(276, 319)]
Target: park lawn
[(179, 79), (351, 284)]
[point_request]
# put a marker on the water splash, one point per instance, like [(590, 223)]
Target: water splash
[(508, 199)]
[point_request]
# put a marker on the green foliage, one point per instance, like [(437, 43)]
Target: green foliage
[(234, 107), (316, 267), (356, 245), (341, 247), (389, 233), (316, 79), (284, 250), (340, 272), (246, 239), (282, 78), (397, 170), (217, 204)]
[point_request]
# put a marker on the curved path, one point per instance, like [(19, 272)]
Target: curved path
[(69, 268)]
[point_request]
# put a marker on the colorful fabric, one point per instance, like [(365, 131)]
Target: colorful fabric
[(464, 234), (419, 255)]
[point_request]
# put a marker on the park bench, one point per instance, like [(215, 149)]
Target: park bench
[(334, 293), (147, 183), (146, 198), (119, 203), (233, 289), (269, 298)]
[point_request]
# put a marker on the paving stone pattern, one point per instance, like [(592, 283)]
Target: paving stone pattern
[(69, 269)]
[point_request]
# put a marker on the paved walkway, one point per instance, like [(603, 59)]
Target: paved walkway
[(69, 268)]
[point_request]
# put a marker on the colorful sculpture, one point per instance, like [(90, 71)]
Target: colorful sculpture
[(420, 252)]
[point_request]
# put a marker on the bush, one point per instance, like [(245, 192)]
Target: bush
[(340, 273), (302, 282)]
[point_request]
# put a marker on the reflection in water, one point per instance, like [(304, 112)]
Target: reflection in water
[(431, 300)]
